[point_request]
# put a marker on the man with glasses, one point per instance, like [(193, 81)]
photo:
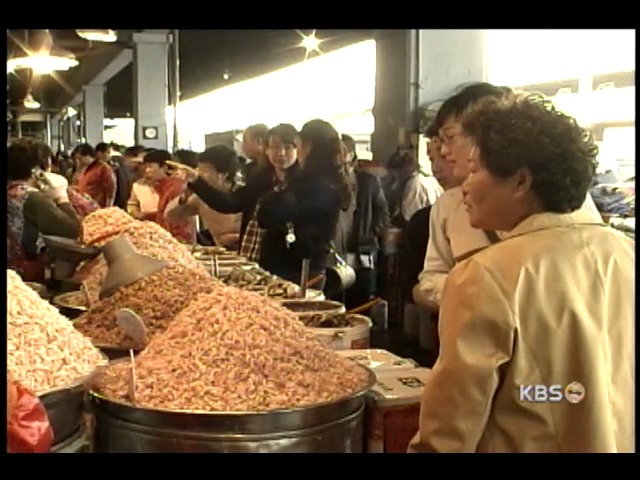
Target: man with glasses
[(452, 239)]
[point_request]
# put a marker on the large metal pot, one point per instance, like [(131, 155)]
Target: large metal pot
[(333, 427), (65, 408), (40, 289), (309, 308), (68, 305), (78, 443)]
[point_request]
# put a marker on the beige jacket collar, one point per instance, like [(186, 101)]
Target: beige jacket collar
[(549, 220)]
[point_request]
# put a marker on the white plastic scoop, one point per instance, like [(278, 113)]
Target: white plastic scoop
[(132, 325)]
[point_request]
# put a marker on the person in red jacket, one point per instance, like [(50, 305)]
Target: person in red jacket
[(168, 188), (98, 179)]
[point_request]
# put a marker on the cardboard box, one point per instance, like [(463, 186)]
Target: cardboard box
[(393, 409), (378, 360)]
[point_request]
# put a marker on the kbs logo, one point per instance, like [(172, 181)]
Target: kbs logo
[(572, 393)]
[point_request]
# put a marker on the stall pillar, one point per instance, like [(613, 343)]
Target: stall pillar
[(150, 85), (71, 131), (56, 140), (415, 69), (93, 113)]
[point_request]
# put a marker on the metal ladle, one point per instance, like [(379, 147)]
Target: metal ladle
[(126, 266)]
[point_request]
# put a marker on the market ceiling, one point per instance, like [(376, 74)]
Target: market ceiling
[(209, 59)]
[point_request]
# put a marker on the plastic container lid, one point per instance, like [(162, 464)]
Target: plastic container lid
[(379, 360), (399, 387)]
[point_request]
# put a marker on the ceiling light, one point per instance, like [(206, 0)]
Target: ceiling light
[(42, 64), (98, 35), (310, 43), (30, 102), (41, 56)]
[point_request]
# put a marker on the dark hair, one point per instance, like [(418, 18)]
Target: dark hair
[(103, 147), (84, 150), (455, 106), (134, 151), (224, 159), (350, 143), (285, 132), (527, 131), (187, 157), (403, 159), (325, 157), (157, 156), (259, 130), (46, 156), (432, 130), (23, 155)]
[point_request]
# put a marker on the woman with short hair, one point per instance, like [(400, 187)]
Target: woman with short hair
[(537, 331)]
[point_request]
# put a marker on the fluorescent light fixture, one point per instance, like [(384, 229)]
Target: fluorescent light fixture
[(42, 64), (98, 35)]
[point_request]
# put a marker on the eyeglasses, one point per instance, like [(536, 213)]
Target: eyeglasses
[(447, 139)]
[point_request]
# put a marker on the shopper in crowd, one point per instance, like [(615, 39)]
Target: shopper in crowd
[(254, 145), (143, 201), (82, 203), (32, 212), (168, 187), (537, 332), (360, 227), (104, 151), (125, 175), (97, 178), (283, 139), (186, 157), (299, 218), (410, 189), (452, 238), (416, 233), (218, 167)]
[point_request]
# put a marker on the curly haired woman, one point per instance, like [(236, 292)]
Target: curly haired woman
[(537, 331)]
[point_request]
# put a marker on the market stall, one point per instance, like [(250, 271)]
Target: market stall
[(229, 359)]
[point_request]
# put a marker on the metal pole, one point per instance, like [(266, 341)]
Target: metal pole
[(176, 86), (48, 130)]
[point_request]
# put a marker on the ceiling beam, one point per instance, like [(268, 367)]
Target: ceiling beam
[(115, 66), (95, 69)]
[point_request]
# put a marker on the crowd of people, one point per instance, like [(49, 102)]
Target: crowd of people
[(503, 246)]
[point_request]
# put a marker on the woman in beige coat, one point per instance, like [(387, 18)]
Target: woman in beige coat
[(537, 332)]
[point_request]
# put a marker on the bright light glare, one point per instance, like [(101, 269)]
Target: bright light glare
[(30, 102), (310, 43), (524, 57), (316, 88), (98, 35), (41, 64)]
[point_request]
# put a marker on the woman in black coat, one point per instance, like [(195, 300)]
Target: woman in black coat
[(300, 217)]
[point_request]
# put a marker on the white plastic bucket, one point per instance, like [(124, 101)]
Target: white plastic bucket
[(346, 338)]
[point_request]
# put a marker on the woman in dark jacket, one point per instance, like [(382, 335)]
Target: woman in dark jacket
[(300, 218), (262, 180)]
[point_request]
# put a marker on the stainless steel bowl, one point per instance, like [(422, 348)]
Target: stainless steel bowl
[(334, 426)]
